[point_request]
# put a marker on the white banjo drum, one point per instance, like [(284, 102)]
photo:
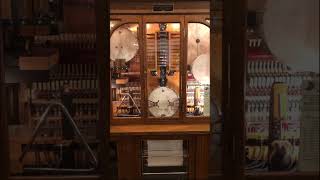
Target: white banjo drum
[(163, 101), (198, 40), (201, 69), (291, 29), (123, 45)]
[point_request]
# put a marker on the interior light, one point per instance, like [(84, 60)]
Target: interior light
[(175, 26), (111, 25)]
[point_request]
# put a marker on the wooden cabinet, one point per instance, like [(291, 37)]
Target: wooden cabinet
[(132, 147), (156, 95)]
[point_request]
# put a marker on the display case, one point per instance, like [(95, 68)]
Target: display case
[(160, 69), (160, 81)]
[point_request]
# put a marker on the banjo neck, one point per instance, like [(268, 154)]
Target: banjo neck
[(163, 53)]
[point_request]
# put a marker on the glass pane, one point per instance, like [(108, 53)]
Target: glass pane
[(282, 94), (125, 68), (198, 70), (163, 67), (51, 86)]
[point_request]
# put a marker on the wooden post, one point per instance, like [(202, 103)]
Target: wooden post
[(103, 50), (4, 144), (128, 158), (202, 156), (234, 57)]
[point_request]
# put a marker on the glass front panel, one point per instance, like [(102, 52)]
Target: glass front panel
[(125, 70), (282, 93), (163, 69), (198, 70)]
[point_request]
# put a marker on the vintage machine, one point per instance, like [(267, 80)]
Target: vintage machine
[(160, 94)]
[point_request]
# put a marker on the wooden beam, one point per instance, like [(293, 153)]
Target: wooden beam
[(227, 130), (202, 156), (128, 158), (103, 50), (238, 58), (5, 9), (234, 60), (4, 145)]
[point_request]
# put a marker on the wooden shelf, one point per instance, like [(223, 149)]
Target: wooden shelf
[(141, 129)]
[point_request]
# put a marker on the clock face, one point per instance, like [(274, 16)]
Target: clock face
[(163, 102), (123, 45)]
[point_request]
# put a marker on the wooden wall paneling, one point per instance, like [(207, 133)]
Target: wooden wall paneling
[(145, 7), (5, 9), (128, 148), (192, 158), (102, 54), (25, 8), (79, 18), (202, 156), (41, 5), (4, 144)]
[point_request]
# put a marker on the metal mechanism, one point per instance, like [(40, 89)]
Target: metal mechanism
[(77, 132), (163, 101), (132, 103)]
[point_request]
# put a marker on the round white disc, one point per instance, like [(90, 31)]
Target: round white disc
[(201, 69), (163, 102), (123, 44), (291, 29), (198, 40)]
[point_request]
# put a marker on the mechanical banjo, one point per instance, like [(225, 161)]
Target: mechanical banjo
[(163, 101)]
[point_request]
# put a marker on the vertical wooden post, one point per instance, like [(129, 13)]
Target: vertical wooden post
[(102, 9), (238, 82), (128, 157), (202, 156), (234, 68), (4, 144)]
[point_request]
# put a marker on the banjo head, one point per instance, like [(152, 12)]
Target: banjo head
[(201, 69), (198, 40), (163, 102), (291, 30), (123, 44)]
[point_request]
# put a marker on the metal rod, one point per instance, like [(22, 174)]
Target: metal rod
[(75, 128)]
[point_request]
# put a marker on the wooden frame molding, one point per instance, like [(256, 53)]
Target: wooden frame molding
[(103, 52), (4, 144)]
